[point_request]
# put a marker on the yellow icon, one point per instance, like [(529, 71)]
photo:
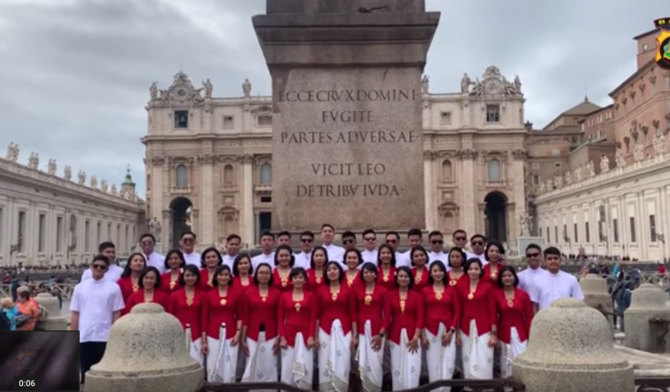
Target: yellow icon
[(663, 42)]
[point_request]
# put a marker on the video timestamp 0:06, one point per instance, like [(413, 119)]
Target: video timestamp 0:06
[(27, 383)]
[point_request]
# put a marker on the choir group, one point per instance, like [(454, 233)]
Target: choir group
[(277, 318)]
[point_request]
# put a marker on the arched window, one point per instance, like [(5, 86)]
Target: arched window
[(228, 180), (447, 171), (266, 174), (494, 170), (181, 176)]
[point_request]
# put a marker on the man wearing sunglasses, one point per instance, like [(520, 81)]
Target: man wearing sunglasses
[(187, 246), (147, 243), (304, 258), (113, 272), (527, 276), (437, 248), (369, 254), (392, 240), (477, 244)]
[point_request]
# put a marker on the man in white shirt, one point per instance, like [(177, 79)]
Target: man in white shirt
[(527, 276), (437, 248), (554, 284), (147, 243), (335, 253), (369, 254), (96, 305), (233, 244), (187, 246), (393, 239), (460, 239), (284, 238), (113, 273), (477, 244), (304, 258), (267, 255), (414, 238)]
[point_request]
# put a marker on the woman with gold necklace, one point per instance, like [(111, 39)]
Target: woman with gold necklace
[(419, 259), (386, 267), (456, 276), (477, 333), (494, 254), (150, 282), (443, 308), (130, 278), (373, 318), (243, 272), (210, 260), (353, 260), (336, 310), (174, 263), (186, 305), (284, 261), (316, 274)]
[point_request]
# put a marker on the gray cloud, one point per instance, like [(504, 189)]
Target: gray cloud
[(75, 73)]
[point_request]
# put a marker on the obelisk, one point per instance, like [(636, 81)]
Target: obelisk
[(347, 111)]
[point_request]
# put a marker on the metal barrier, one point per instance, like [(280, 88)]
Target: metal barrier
[(66, 289)]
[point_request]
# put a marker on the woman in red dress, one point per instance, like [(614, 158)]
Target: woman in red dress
[(316, 274), (352, 260), (515, 314), (407, 320), (419, 259), (442, 310), (372, 314), (174, 263), (494, 253), (243, 272), (260, 327), (336, 315), (210, 261), (222, 326), (186, 305), (478, 328), (296, 318), (386, 267), (130, 278), (456, 276), (151, 282), (284, 261)]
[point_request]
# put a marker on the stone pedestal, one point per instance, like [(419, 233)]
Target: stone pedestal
[(524, 241), (596, 295), (647, 304), (347, 111), (146, 352), (56, 320), (570, 349)]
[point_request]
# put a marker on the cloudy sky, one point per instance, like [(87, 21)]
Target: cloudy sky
[(74, 74)]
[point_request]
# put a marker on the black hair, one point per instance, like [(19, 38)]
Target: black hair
[(495, 243), (126, 270), (464, 256), (421, 249), (440, 265), (169, 254), (220, 269), (474, 260), (408, 272), (379, 252), (339, 268), (237, 261), (144, 273), (192, 269), (311, 257), (368, 266), (290, 252), (208, 250), (358, 254), (511, 270), (258, 267)]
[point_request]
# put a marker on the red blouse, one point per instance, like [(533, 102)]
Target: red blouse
[(422, 281), (518, 314), (409, 316), (354, 282), (279, 284), (243, 286), (295, 317), (205, 282), (127, 289), (168, 285), (373, 307), (314, 282), (217, 310), (462, 283), (187, 313), (158, 297), (336, 306), (261, 311), (480, 306), (492, 277), (442, 308), (386, 281)]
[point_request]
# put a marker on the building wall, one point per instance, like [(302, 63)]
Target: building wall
[(598, 126)]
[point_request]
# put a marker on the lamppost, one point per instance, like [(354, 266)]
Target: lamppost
[(661, 238)]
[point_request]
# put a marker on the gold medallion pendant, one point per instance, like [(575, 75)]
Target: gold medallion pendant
[(318, 280), (438, 296), (367, 299), (189, 301), (172, 284), (297, 307), (402, 306), (386, 278), (452, 283), (493, 275), (223, 302), (284, 282), (264, 299), (471, 296), (510, 302), (136, 287), (334, 296)]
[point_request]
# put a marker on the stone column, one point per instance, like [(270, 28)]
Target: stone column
[(429, 190), (647, 304), (159, 190), (207, 192), (166, 231), (664, 223), (247, 223), (470, 202)]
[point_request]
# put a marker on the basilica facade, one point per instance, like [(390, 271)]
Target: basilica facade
[(209, 160)]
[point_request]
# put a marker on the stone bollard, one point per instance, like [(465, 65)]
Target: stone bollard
[(594, 288), (644, 319), (570, 349), (55, 321), (145, 352)]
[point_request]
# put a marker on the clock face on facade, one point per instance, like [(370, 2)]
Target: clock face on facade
[(493, 87)]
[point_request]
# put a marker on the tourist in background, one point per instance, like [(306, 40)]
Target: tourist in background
[(233, 245), (129, 282), (222, 326), (623, 294), (11, 312), (456, 276), (174, 264), (442, 310), (528, 275), (407, 318), (478, 324), (494, 257), (352, 261), (336, 327), (186, 305), (316, 274), (386, 267), (96, 304), (147, 244), (107, 249), (296, 329), (150, 283), (29, 311), (284, 261), (243, 272), (210, 261), (420, 273), (554, 284), (260, 327), (373, 316), (515, 314), (187, 247)]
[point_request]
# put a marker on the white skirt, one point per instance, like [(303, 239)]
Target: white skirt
[(405, 366), (509, 352), (440, 360), (334, 359), (222, 359), (194, 347), (297, 364), (262, 361), (477, 355), (370, 362)]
